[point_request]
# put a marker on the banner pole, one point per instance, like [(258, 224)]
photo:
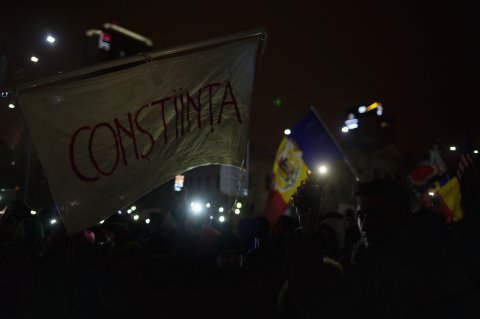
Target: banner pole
[(261, 32), (336, 144)]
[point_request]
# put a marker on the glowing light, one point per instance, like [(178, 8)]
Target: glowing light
[(147, 221), (323, 170), (102, 221), (287, 132), (220, 209), (211, 217), (133, 208), (351, 123), (345, 129), (13, 163), (453, 148), (277, 101), (380, 110), (362, 109), (237, 211), (50, 39), (119, 212), (221, 219), (136, 217), (373, 106), (475, 151), (11, 105), (431, 194), (196, 207), (207, 205), (34, 59), (53, 221), (129, 211), (239, 205), (33, 212)]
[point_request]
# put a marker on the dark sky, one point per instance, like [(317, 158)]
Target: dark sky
[(418, 58)]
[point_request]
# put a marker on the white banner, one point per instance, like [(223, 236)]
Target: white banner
[(107, 140)]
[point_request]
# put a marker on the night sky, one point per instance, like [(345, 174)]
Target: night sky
[(418, 59)]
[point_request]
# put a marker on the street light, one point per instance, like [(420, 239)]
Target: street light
[(345, 129), (287, 132), (11, 105), (50, 39), (322, 170), (34, 59), (220, 209), (239, 205), (221, 219), (453, 148), (237, 211)]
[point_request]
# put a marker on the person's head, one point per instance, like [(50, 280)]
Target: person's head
[(383, 210), (229, 252)]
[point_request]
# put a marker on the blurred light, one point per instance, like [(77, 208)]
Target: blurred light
[(278, 101), (380, 110), (431, 194), (53, 221), (351, 123), (373, 106), (287, 132), (475, 151), (147, 221), (11, 105), (220, 209), (239, 205), (13, 163), (453, 148), (136, 217), (33, 212), (50, 39), (221, 219), (102, 221), (322, 170), (345, 129), (362, 109), (34, 59), (237, 211), (211, 217), (207, 205), (133, 208), (196, 207), (129, 211), (119, 212)]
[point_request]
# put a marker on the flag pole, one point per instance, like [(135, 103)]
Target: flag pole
[(145, 57), (354, 172)]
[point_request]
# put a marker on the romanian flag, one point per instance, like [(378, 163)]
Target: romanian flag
[(450, 197), (308, 146)]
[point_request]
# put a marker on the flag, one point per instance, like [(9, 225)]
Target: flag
[(308, 146), (107, 140), (450, 197), (427, 171), (466, 158)]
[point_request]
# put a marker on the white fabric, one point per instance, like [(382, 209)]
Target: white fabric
[(102, 141)]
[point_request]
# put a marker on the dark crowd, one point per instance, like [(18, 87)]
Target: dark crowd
[(380, 261)]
